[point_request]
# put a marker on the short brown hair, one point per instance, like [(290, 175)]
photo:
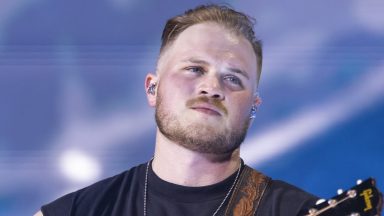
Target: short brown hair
[(238, 22)]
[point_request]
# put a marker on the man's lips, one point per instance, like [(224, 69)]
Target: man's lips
[(207, 106), (207, 109)]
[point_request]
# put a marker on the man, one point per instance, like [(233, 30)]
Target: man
[(205, 94)]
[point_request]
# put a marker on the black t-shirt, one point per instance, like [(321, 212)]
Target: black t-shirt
[(123, 194)]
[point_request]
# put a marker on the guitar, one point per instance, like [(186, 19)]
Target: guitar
[(364, 199)]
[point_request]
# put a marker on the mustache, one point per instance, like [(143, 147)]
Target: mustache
[(215, 102)]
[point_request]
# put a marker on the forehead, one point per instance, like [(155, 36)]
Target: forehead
[(212, 41)]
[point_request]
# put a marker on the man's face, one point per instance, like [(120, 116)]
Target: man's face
[(206, 80)]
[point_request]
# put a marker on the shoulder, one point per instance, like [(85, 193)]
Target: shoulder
[(282, 198), (97, 194), (281, 188)]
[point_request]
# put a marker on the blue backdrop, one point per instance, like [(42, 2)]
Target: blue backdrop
[(73, 108)]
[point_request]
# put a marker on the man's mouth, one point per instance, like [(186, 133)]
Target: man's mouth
[(210, 110), (207, 106)]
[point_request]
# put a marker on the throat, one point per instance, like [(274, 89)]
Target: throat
[(178, 165)]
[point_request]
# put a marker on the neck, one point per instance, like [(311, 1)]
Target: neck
[(176, 164)]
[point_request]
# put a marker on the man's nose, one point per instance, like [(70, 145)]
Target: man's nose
[(211, 87)]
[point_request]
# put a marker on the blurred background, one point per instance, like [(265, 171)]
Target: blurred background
[(73, 107)]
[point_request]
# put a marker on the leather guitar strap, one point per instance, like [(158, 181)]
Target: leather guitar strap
[(247, 194)]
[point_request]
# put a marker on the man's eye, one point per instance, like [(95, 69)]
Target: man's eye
[(195, 69), (233, 80)]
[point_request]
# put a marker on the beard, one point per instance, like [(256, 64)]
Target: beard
[(199, 136)]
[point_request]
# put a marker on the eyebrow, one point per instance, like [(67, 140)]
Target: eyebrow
[(196, 61), (238, 71), (231, 69)]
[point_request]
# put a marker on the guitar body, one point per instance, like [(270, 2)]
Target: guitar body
[(363, 199)]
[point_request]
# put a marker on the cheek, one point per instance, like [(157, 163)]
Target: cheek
[(177, 84), (241, 109), (175, 89)]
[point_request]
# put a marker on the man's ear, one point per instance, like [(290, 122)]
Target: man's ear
[(151, 89), (257, 99)]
